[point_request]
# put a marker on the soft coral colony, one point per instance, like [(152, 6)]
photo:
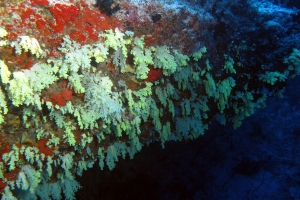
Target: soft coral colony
[(84, 84)]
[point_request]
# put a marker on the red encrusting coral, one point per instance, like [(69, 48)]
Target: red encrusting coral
[(40, 23), (23, 61), (62, 98), (63, 14), (43, 148), (29, 64), (39, 2), (154, 74), (92, 21), (2, 186), (12, 175), (150, 42), (5, 149), (77, 36), (27, 13)]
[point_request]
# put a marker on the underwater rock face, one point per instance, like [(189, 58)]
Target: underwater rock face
[(87, 81)]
